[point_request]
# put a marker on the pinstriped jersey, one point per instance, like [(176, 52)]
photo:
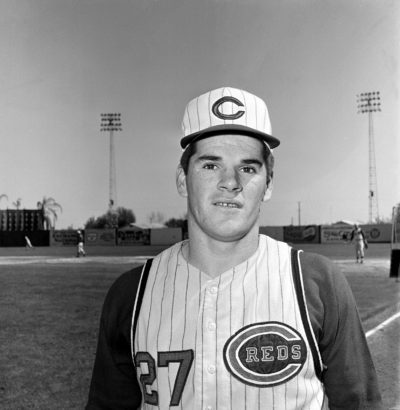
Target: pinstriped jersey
[(241, 340)]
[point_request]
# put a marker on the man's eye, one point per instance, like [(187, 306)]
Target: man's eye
[(248, 170), (209, 166)]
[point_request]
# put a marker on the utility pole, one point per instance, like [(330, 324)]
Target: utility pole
[(112, 122), (299, 212), (368, 103)]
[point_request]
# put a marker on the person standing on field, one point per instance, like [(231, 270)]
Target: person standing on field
[(80, 241), (229, 318), (360, 242)]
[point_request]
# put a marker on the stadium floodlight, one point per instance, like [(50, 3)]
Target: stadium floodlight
[(370, 102), (111, 122)]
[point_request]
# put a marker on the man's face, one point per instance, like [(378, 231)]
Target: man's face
[(225, 185)]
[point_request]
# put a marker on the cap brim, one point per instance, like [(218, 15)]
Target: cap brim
[(232, 129)]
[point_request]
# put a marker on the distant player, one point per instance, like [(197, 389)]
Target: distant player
[(80, 247), (360, 242), (230, 319)]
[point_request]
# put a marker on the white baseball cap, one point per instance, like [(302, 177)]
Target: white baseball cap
[(226, 110)]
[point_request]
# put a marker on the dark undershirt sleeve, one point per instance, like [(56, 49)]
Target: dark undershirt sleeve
[(349, 377), (114, 384)]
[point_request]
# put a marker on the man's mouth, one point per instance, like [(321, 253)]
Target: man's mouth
[(227, 204)]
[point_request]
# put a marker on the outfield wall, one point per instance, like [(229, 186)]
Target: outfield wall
[(275, 232), (100, 237), (378, 233), (301, 234), (17, 238), (64, 237), (133, 236), (341, 233), (165, 236), (338, 233)]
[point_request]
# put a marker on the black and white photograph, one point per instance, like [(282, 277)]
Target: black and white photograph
[(200, 204)]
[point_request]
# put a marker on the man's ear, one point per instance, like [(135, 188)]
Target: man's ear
[(181, 181), (268, 191)]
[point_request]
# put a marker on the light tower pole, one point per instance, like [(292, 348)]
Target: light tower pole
[(111, 122), (368, 103)]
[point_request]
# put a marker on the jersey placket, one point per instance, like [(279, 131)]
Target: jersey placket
[(206, 363)]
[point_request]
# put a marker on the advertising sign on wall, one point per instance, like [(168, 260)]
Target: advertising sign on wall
[(100, 237), (133, 236), (377, 233), (335, 233), (342, 233), (301, 234), (275, 232), (63, 238)]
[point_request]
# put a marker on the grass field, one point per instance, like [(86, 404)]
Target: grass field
[(50, 304)]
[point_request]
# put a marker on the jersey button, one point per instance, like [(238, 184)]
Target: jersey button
[(211, 326), (208, 408), (213, 290), (211, 369)]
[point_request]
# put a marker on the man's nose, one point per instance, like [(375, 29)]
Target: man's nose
[(230, 181)]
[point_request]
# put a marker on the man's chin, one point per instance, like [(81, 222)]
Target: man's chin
[(230, 233)]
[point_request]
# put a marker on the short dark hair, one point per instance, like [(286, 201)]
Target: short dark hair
[(267, 157)]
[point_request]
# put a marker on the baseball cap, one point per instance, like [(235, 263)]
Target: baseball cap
[(227, 110)]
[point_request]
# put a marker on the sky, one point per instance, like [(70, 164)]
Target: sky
[(66, 62)]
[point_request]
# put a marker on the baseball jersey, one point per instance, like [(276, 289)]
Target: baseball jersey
[(280, 330), (358, 235), (236, 341)]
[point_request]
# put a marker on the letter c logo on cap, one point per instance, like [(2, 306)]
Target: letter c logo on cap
[(216, 108)]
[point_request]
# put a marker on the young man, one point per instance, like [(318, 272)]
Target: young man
[(230, 319)]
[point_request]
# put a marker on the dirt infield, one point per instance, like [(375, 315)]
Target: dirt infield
[(50, 307)]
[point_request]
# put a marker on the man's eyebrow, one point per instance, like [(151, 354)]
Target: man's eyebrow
[(252, 161), (207, 157)]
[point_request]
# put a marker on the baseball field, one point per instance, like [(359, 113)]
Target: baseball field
[(50, 304)]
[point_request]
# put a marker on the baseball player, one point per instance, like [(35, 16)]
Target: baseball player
[(360, 242), (231, 319), (80, 249)]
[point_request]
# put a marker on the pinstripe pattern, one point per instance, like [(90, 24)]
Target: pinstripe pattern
[(198, 114), (163, 296), (199, 306), (231, 310), (216, 341), (201, 350), (210, 118), (185, 309)]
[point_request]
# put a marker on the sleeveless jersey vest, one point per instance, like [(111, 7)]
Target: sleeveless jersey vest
[(242, 340)]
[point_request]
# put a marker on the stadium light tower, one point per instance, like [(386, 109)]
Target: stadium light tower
[(111, 123), (369, 103)]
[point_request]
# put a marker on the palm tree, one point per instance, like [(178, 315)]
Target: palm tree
[(3, 196), (49, 208), (17, 203)]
